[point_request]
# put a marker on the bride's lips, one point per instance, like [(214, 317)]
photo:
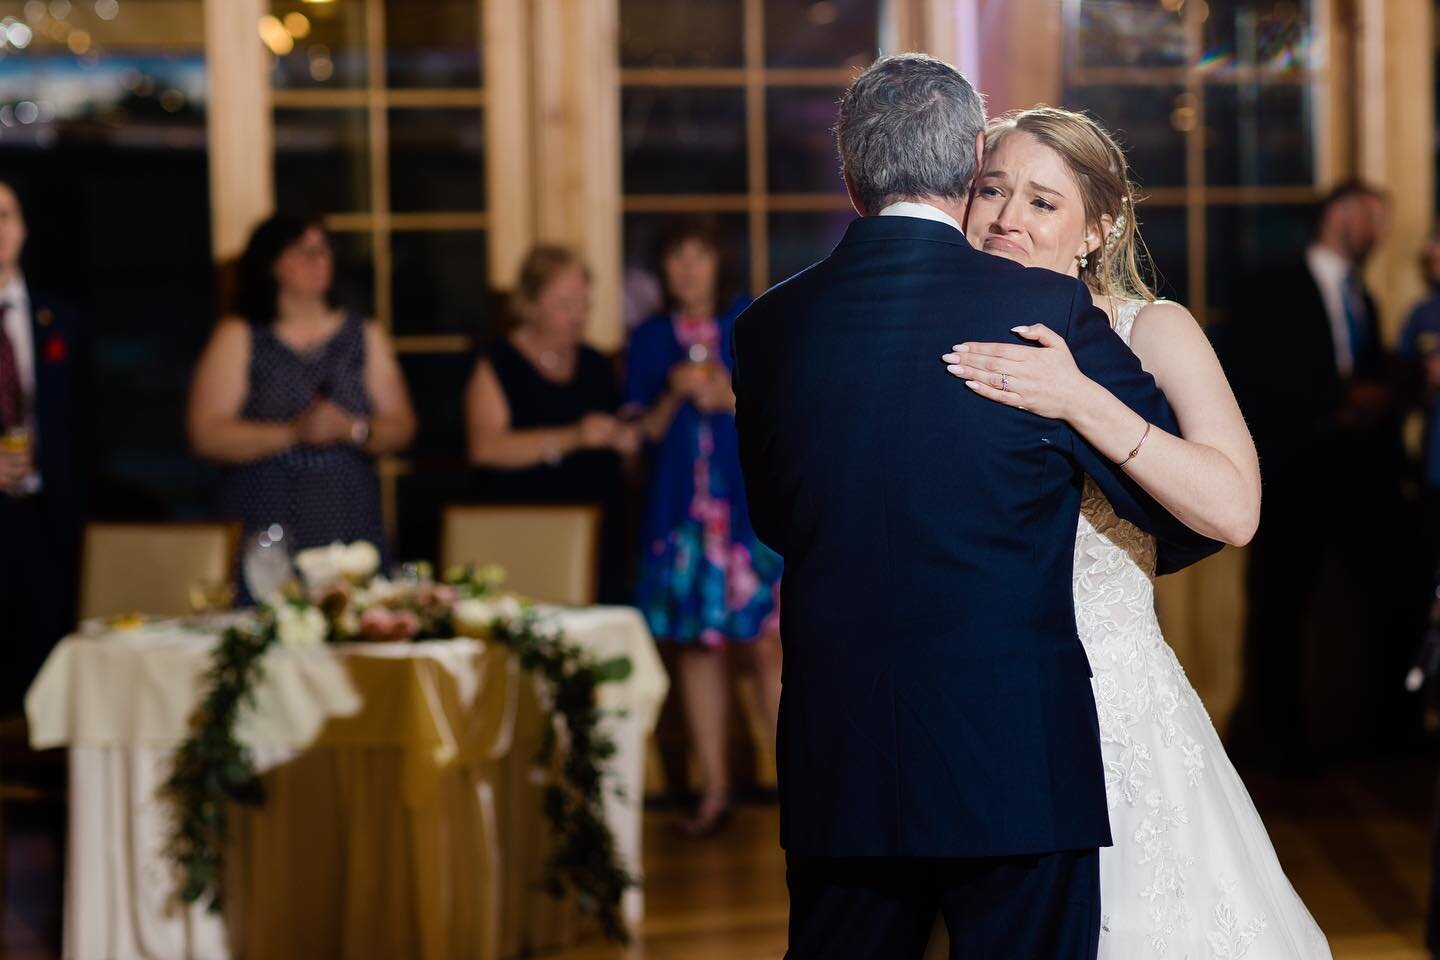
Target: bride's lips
[(1003, 245)]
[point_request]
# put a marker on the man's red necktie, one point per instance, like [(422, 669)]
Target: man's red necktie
[(12, 399)]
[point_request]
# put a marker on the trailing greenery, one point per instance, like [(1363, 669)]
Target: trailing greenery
[(583, 860), (213, 768)]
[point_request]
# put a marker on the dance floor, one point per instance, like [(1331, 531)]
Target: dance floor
[(1355, 842)]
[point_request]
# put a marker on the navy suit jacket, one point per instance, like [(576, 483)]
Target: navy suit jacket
[(936, 698), (60, 426)]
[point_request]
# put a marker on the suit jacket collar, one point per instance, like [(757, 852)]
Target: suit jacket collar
[(869, 229)]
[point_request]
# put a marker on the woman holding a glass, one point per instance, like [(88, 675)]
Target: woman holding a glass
[(706, 581)]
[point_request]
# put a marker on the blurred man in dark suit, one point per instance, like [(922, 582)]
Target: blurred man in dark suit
[(1317, 387), (41, 503)]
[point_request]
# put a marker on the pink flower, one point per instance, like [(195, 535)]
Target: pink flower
[(742, 583), (405, 625), (377, 623)]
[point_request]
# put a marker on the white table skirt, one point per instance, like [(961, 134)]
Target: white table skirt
[(120, 701)]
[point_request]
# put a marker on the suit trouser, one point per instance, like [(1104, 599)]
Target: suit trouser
[(1015, 908)]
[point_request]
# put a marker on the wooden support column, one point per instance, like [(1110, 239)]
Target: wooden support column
[(576, 167), (239, 131), (509, 135), (1396, 123)]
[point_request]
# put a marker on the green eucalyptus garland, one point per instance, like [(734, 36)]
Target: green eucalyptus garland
[(214, 769)]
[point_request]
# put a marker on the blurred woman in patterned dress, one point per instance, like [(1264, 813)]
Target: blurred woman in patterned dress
[(297, 396), (705, 580)]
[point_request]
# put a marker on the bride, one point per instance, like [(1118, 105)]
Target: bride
[(1192, 873)]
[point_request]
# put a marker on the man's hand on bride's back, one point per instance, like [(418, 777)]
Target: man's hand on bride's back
[(1042, 379)]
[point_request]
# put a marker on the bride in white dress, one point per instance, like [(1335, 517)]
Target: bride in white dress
[(1192, 873)]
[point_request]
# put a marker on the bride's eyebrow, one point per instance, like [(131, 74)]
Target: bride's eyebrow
[(1041, 188)]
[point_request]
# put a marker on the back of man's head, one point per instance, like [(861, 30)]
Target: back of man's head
[(907, 131)]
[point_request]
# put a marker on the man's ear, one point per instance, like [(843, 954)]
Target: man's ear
[(855, 200)]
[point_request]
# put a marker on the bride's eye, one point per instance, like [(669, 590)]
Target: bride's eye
[(989, 192), (1043, 204)]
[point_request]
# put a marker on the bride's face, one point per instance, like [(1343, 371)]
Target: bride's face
[(1027, 207)]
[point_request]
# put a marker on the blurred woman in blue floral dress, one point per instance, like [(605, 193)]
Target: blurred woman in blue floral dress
[(705, 579)]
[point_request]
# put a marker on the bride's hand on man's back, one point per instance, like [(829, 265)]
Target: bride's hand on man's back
[(1042, 379)]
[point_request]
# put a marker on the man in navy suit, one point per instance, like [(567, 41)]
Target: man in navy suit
[(938, 744), (40, 476)]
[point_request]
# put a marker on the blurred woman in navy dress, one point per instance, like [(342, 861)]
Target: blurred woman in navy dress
[(705, 580), (540, 409), (297, 396)]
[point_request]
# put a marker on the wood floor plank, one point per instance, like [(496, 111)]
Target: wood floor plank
[(1355, 843)]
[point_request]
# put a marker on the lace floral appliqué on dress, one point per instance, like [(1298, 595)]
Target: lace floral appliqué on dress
[(1192, 874)]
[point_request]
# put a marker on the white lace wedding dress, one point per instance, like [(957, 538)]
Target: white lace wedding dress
[(1192, 874)]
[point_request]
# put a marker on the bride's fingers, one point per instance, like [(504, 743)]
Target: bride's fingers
[(1005, 351), (1000, 381), (999, 396), (970, 361), (1040, 334)]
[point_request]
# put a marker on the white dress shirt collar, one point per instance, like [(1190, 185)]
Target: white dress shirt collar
[(1330, 270), (921, 211)]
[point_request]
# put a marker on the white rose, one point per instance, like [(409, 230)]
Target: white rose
[(380, 591), (320, 566), (298, 627), (473, 618), (359, 561), (508, 608)]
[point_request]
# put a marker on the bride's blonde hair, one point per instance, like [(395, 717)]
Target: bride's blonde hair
[(1120, 267)]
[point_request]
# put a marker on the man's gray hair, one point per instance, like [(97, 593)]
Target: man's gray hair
[(907, 130)]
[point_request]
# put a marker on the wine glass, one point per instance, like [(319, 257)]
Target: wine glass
[(266, 562)]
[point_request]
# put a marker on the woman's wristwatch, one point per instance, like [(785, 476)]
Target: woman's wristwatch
[(360, 431)]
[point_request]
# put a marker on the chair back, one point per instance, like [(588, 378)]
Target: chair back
[(548, 552), (153, 568)]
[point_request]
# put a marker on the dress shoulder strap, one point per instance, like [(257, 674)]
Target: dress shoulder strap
[(1125, 313)]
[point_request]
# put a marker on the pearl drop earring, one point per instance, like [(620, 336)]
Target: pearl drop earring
[(1084, 261)]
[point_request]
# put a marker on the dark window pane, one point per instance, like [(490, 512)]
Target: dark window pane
[(799, 143), (799, 239), (322, 160), (1127, 33), (439, 282), (684, 140), (1149, 124), (1258, 33), (317, 44), (437, 387), (821, 33), (1259, 135), (355, 270), (642, 239), (1164, 232), (1245, 240), (437, 159), (432, 43), (681, 33)]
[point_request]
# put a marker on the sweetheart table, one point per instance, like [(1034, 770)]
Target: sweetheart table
[(397, 820)]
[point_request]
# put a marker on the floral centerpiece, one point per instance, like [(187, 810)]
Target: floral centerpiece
[(340, 597)]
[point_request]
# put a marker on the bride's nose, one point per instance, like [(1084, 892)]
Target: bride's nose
[(1003, 222)]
